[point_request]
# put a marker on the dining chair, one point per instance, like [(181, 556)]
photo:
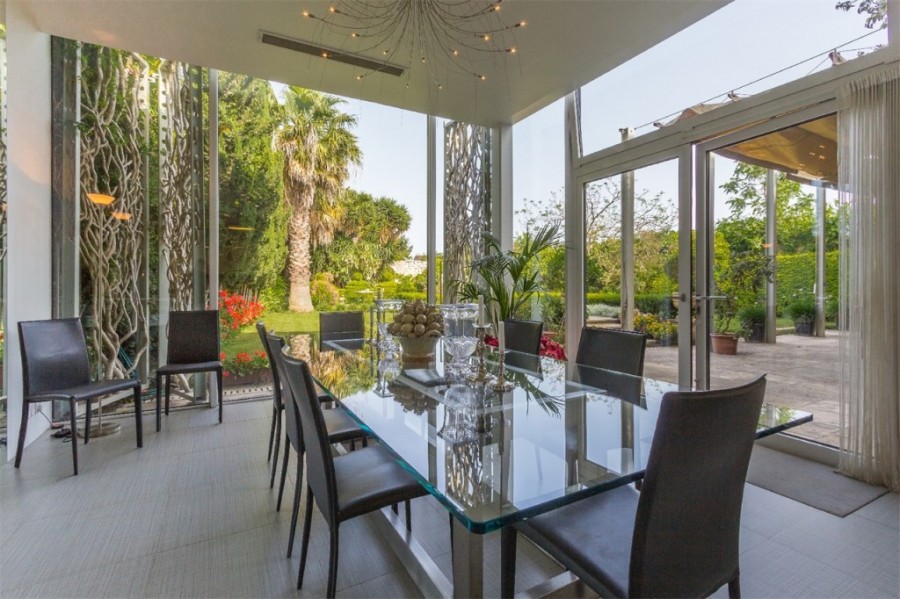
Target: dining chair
[(193, 347), (622, 351), (523, 335), (55, 366), (678, 537), (340, 326), (277, 401), (339, 426), (344, 487)]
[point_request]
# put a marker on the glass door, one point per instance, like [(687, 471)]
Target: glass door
[(638, 248), (767, 290)]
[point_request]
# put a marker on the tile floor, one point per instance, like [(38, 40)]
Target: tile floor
[(191, 515)]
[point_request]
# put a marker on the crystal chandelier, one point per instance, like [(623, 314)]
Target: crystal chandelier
[(462, 36)]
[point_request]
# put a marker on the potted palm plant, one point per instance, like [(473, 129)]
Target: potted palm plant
[(508, 279), (803, 313)]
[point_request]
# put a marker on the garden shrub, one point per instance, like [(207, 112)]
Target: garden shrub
[(275, 297), (795, 276), (553, 309), (655, 303), (610, 298), (659, 328), (325, 296), (603, 310)]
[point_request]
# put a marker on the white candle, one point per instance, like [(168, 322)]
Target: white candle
[(480, 310), (501, 337)]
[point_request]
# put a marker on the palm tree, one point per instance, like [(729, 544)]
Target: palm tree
[(318, 149)]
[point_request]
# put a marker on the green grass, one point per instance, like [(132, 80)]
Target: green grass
[(247, 340)]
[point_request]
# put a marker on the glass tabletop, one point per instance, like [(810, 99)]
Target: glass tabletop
[(562, 433)]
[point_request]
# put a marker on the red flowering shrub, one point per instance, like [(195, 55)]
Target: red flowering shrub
[(548, 348), (235, 311), (243, 363)]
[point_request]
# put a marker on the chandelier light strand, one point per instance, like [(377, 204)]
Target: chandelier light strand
[(463, 36)]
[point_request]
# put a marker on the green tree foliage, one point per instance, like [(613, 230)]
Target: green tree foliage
[(253, 216), (875, 11), (367, 236), (318, 146)]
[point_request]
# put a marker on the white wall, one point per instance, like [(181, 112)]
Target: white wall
[(28, 211)]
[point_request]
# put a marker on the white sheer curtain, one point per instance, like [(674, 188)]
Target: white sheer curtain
[(869, 160)]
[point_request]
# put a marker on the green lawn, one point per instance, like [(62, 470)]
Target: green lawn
[(247, 339)]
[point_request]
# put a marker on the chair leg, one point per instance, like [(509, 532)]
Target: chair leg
[(23, 428), (168, 392), (507, 561), (295, 509), (333, 562), (734, 587), (138, 417), (277, 449), (158, 405), (219, 389), (408, 516), (304, 542), (272, 434), (87, 423), (284, 464), (72, 418)]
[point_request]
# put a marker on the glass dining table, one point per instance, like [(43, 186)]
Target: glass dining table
[(563, 432)]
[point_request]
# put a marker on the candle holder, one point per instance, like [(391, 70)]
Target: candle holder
[(481, 375), (502, 385)]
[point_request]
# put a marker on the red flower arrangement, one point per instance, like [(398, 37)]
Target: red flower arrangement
[(548, 347), (243, 363), (236, 311)]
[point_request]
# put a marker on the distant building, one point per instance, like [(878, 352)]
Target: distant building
[(409, 267)]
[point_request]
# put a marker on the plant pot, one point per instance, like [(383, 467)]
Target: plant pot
[(417, 350), (260, 377), (724, 343), (803, 326), (757, 332)]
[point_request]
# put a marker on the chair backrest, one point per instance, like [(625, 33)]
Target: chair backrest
[(523, 335), (54, 355), (276, 379), (688, 519), (336, 326), (622, 351), (319, 461), (193, 337), (274, 346)]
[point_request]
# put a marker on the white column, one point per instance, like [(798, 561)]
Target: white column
[(771, 247), (28, 184), (431, 207), (574, 234), (502, 186), (626, 284), (820, 262), (893, 9), (213, 258)]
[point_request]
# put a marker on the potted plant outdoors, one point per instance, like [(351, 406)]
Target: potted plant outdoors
[(508, 279), (803, 313), (740, 278), (753, 323)]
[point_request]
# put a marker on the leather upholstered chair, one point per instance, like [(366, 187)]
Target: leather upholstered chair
[(678, 537), (55, 366), (622, 351), (193, 347), (339, 427), (523, 335), (346, 486), (340, 326)]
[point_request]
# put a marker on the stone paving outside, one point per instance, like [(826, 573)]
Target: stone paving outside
[(803, 373)]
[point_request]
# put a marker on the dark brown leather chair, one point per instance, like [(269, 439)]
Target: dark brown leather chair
[(55, 366), (340, 326), (346, 486), (622, 351), (678, 537), (339, 426), (193, 347)]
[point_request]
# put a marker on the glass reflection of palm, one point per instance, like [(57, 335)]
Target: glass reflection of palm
[(464, 466)]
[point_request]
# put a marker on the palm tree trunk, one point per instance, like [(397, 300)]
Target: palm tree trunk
[(299, 259)]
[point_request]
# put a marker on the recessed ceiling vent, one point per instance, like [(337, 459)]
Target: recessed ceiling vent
[(329, 54)]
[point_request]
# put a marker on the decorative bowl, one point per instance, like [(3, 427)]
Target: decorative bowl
[(418, 349)]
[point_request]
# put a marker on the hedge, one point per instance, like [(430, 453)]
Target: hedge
[(795, 277)]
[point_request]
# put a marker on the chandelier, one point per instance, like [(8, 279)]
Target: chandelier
[(462, 36)]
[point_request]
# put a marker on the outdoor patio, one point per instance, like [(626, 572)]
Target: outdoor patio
[(802, 373)]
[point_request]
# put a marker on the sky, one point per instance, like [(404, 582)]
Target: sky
[(738, 44)]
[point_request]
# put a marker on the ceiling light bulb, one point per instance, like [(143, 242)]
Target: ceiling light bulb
[(455, 52), (482, 77), (486, 37), (324, 54), (354, 34), (511, 50), (332, 9), (306, 13), (521, 24)]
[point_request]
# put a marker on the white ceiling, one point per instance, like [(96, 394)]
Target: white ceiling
[(565, 44)]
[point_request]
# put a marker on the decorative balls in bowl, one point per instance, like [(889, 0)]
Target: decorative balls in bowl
[(417, 326)]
